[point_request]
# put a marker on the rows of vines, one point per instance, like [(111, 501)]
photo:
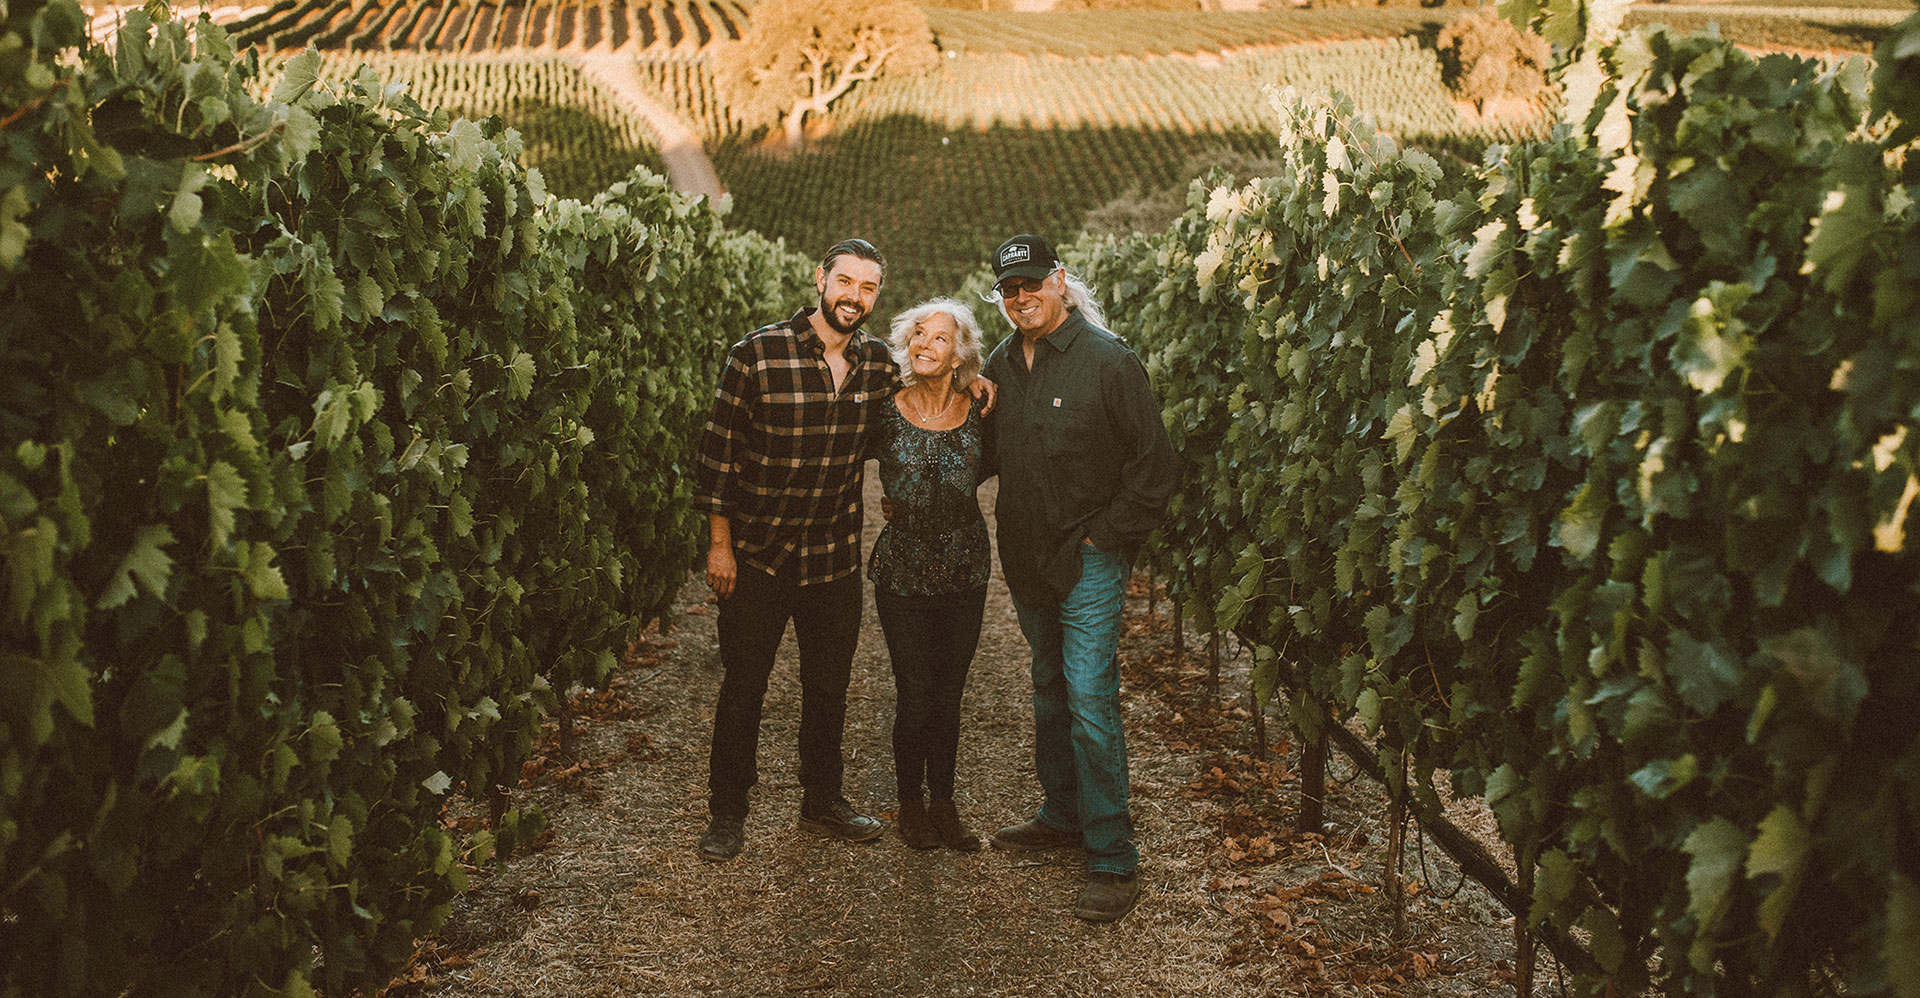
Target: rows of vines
[(451, 27), (332, 448), (1396, 80), (1589, 482), (1104, 33)]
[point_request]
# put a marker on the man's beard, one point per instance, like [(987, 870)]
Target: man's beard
[(832, 313)]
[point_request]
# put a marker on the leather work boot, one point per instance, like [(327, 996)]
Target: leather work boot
[(839, 820), (914, 829), (723, 839), (948, 828), (1031, 835), (1107, 896)]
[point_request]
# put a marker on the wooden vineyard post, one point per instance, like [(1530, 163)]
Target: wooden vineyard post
[(564, 715), (1313, 775), (1397, 850), (1523, 931), (1213, 664), (1179, 629), (1259, 726)]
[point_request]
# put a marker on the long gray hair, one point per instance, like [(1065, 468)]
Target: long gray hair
[(966, 341)]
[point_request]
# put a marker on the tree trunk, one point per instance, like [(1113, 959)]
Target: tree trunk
[(1313, 776), (1523, 933), (794, 124), (1396, 852), (1259, 728)]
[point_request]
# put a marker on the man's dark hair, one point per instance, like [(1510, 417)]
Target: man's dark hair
[(853, 247)]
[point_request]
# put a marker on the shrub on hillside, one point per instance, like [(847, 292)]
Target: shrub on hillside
[(1485, 57), (1139, 210)]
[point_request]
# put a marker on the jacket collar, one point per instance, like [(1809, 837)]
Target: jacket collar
[(802, 326), (1069, 330)]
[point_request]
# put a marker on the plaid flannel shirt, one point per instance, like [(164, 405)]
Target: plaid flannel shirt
[(783, 454)]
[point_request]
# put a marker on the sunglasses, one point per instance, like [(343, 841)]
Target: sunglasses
[(1014, 287)]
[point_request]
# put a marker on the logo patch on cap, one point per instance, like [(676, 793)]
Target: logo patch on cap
[(1017, 253)]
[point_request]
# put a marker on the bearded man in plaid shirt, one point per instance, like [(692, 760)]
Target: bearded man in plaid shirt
[(780, 478)]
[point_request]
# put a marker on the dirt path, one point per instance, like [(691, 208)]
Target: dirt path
[(688, 167), (615, 902)]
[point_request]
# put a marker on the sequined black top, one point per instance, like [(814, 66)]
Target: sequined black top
[(935, 542)]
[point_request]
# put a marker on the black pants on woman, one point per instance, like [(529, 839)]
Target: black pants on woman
[(931, 640)]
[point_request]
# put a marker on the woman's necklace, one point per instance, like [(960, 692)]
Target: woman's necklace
[(921, 415)]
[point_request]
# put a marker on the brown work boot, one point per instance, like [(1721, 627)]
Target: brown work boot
[(839, 820), (947, 826), (1107, 896), (914, 828), (1034, 834)]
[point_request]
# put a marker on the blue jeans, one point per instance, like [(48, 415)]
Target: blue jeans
[(1079, 746)]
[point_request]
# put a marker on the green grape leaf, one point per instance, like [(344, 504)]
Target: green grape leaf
[(340, 840), (226, 492), (1841, 237), (1368, 707), (1780, 848), (145, 564), (520, 376), (302, 72), (263, 576), (14, 234), (1717, 848), (1606, 942), (323, 737), (184, 213), (1580, 525)]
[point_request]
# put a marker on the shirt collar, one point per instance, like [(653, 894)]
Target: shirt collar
[(1069, 330), (802, 326)]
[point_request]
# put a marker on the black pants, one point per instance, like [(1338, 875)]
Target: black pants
[(931, 640), (826, 622)]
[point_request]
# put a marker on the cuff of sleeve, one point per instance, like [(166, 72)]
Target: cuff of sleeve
[(1104, 539)]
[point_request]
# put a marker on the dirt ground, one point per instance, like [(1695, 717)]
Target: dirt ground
[(614, 901)]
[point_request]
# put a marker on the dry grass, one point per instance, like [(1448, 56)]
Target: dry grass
[(615, 901)]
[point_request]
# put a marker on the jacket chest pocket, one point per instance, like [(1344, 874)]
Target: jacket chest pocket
[(1068, 428)]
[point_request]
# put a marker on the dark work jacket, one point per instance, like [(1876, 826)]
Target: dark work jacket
[(1080, 451)]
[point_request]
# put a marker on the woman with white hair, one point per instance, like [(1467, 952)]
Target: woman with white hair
[(931, 562)]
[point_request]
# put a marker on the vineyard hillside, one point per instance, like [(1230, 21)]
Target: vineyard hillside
[(461, 27), (939, 168)]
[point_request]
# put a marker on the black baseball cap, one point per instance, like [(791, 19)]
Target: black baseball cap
[(1024, 255)]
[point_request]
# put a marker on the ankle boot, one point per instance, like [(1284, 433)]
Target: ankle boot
[(948, 827), (914, 829)]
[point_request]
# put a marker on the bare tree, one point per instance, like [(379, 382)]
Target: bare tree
[(798, 56), (1486, 57)]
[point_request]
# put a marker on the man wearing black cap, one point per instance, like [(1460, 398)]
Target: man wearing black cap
[(1085, 473)]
